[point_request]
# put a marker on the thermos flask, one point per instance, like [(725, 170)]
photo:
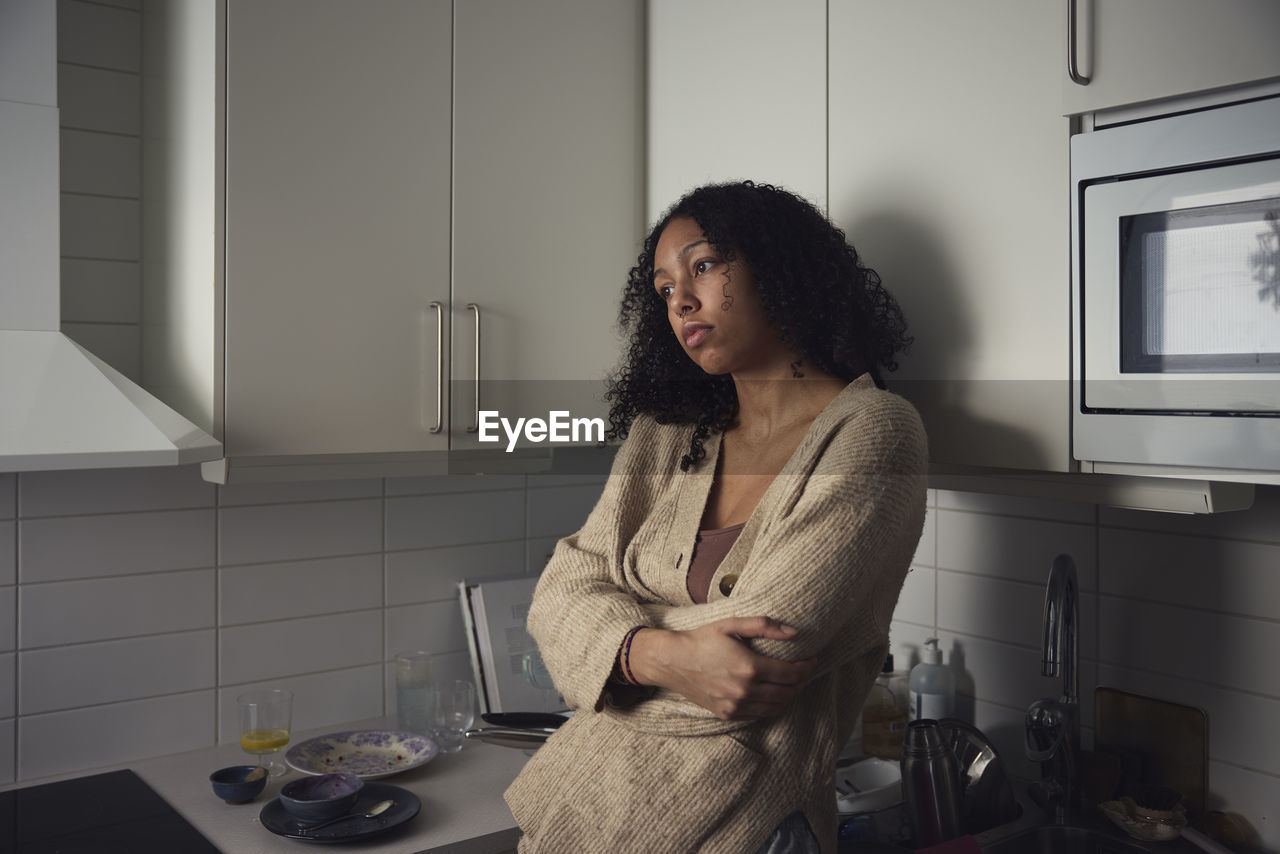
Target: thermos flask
[(930, 784)]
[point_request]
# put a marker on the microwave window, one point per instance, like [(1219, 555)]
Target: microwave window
[(1200, 289)]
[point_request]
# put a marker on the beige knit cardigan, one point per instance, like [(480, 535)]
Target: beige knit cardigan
[(826, 551)]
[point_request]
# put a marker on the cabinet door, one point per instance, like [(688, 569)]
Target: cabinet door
[(337, 237), (737, 89), (949, 173), (548, 190), (1144, 50)]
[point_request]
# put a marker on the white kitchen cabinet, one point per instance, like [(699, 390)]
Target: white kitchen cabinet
[(949, 173), (737, 89), (548, 217), (1134, 51), (388, 164)]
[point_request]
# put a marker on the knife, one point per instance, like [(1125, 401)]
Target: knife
[(511, 737)]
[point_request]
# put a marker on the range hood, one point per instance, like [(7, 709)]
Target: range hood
[(60, 406)]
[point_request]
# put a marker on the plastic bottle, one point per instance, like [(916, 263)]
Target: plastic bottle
[(884, 722), (933, 687)]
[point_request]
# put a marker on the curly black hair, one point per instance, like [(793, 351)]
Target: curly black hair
[(827, 306)]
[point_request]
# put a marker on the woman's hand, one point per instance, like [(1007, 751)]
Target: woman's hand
[(714, 667)]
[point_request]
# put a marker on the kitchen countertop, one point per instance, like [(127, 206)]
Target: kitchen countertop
[(462, 807)]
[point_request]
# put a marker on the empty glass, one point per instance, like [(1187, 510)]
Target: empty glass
[(453, 711)]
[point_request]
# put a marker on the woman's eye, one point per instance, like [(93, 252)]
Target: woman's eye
[(665, 291), (703, 266)]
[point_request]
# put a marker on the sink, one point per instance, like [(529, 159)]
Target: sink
[(1062, 839)]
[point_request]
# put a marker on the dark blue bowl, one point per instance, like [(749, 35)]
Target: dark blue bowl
[(322, 797), (234, 786)]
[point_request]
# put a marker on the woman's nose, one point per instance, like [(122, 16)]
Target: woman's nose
[(685, 300)]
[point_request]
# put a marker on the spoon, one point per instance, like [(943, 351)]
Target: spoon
[(375, 810)]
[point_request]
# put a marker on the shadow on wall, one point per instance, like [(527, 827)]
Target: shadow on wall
[(913, 262)]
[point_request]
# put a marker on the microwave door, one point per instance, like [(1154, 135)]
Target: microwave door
[(1180, 294)]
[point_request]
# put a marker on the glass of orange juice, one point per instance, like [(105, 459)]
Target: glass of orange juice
[(265, 716)]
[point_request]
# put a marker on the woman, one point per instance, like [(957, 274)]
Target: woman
[(719, 618)]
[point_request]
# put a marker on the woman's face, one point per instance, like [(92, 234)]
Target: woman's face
[(713, 305)]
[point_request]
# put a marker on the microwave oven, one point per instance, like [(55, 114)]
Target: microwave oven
[(1175, 300)]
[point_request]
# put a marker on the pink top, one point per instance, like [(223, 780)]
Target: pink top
[(709, 550)]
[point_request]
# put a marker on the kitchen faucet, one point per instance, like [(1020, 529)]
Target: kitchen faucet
[(1053, 726)]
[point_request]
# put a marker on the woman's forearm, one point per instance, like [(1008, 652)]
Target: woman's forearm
[(713, 667)]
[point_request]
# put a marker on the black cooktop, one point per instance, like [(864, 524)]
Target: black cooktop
[(114, 813)]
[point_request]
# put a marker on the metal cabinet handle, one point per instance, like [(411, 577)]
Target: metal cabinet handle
[(439, 310), (1073, 68), (475, 428)]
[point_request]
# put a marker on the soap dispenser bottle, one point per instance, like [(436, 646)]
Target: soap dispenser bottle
[(933, 687), (884, 723)]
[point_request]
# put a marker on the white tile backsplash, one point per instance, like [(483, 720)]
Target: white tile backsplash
[(69, 677), (60, 742), (927, 549), (104, 608), (917, 603), (8, 551), (242, 494), (100, 164), (430, 625), (1231, 576), (8, 685), (8, 495), (282, 648), (559, 510), (99, 100), (1220, 649), (430, 521), (1018, 506), (280, 591), (101, 227), (100, 36), (400, 486), (426, 575), (1013, 548), (1008, 611), (278, 532), (8, 618), (97, 291), (129, 490), (62, 548), (8, 760)]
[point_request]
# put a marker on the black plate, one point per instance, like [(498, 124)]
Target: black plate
[(279, 821), (533, 720)]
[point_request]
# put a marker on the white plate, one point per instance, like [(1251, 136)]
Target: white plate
[(368, 753)]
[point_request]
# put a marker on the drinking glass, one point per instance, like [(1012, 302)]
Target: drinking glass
[(265, 717), (413, 691), (453, 711)]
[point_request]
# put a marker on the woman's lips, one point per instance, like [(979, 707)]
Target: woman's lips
[(694, 333)]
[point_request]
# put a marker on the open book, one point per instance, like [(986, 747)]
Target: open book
[(503, 655)]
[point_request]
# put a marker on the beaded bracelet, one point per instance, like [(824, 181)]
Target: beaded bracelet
[(626, 655)]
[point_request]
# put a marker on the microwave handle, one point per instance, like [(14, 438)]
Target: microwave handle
[(1073, 67)]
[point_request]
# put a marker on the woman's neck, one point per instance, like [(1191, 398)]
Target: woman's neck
[(768, 405)]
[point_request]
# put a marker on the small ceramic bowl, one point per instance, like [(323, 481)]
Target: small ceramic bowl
[(238, 784), (321, 798)]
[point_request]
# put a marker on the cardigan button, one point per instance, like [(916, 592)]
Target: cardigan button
[(726, 583)]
